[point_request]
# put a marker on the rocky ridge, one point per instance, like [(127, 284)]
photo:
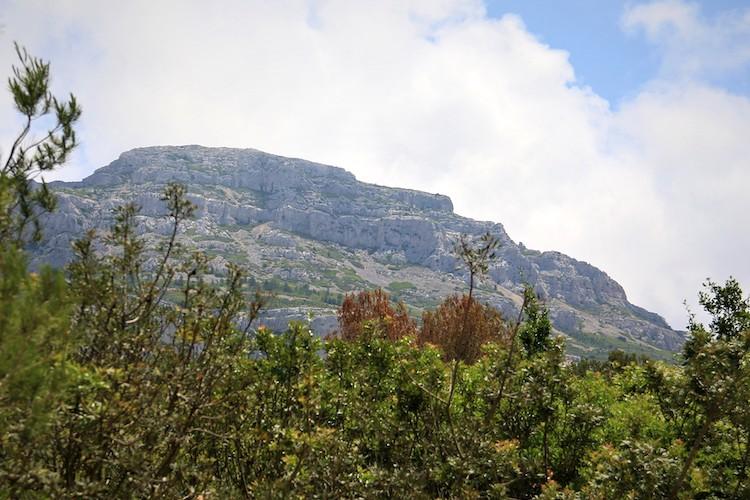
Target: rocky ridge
[(312, 232)]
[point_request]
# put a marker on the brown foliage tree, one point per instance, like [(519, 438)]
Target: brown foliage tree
[(375, 307), (460, 326)]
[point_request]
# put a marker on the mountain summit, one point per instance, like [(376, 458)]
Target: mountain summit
[(312, 232)]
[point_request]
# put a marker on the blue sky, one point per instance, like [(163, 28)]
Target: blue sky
[(616, 132), (614, 63)]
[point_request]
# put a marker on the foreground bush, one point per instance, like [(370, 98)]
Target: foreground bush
[(460, 326), (128, 376), (110, 390), (374, 308)]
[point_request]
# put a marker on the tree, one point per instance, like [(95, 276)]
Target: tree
[(460, 326), (35, 335), (22, 202), (374, 307), (34, 367), (159, 374), (476, 257), (536, 330), (716, 362)]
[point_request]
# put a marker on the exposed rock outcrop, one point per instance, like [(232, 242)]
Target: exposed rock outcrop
[(316, 226)]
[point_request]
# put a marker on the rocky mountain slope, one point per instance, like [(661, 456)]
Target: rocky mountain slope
[(312, 232)]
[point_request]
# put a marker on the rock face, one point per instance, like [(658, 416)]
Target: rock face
[(311, 232)]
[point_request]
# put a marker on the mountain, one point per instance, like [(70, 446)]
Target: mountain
[(312, 232)]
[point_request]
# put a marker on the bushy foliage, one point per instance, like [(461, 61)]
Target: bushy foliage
[(34, 367), (129, 376), (460, 326), (374, 308), (173, 398), (536, 331), (22, 201)]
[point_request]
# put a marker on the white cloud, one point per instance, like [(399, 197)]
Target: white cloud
[(429, 95), (691, 143), (693, 45)]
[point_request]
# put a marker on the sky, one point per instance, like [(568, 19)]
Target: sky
[(615, 132)]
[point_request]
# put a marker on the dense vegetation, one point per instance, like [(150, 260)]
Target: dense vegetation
[(127, 375)]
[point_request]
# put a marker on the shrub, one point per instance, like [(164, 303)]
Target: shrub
[(392, 322), (460, 326)]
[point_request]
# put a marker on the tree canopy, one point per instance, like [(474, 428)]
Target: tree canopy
[(128, 374)]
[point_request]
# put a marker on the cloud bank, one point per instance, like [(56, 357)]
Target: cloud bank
[(440, 97)]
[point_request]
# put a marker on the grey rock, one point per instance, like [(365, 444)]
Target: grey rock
[(316, 225)]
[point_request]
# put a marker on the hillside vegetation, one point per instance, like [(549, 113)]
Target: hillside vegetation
[(134, 374), (311, 233)]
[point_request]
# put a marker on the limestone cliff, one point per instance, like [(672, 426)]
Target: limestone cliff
[(312, 232)]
